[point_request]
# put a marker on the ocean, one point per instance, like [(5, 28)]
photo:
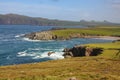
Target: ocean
[(15, 49)]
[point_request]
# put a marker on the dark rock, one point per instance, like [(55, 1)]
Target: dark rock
[(79, 51), (68, 54), (49, 53)]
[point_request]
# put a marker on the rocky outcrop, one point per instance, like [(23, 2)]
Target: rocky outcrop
[(45, 35), (79, 51), (48, 35)]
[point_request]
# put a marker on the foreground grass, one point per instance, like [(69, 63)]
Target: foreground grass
[(85, 68), (96, 31)]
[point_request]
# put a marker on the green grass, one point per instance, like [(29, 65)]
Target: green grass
[(98, 31), (111, 50), (84, 68), (112, 45)]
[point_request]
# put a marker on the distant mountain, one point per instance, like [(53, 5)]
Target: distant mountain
[(98, 23), (15, 19)]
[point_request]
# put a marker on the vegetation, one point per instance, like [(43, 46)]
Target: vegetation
[(96, 31), (85, 68), (15, 19), (111, 50)]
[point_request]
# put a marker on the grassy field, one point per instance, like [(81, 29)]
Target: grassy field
[(85, 68), (96, 31), (111, 50)]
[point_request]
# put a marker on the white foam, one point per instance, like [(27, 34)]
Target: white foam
[(56, 55), (21, 54), (19, 35), (37, 49), (30, 40), (37, 55)]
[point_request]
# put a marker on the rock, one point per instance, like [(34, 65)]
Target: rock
[(49, 53), (88, 51), (79, 51), (73, 78), (68, 54), (45, 35), (66, 50)]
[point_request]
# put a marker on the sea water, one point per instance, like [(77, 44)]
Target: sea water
[(15, 49)]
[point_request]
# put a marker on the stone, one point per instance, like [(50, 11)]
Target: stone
[(49, 53), (73, 78), (79, 51)]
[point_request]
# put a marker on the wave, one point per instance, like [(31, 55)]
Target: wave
[(30, 40), (21, 54), (37, 49), (55, 56), (39, 55), (20, 35)]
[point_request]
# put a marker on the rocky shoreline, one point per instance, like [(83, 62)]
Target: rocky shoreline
[(48, 35), (76, 51)]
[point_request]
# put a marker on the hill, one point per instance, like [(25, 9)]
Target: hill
[(15, 19)]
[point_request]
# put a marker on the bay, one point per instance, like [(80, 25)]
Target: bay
[(15, 49)]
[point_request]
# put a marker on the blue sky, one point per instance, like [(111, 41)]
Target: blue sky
[(74, 10)]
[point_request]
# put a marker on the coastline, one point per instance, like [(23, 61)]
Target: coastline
[(104, 37), (71, 33)]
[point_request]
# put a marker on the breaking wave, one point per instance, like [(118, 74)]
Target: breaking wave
[(20, 35), (39, 55), (30, 40)]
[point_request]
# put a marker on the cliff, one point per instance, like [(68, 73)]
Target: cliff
[(45, 35)]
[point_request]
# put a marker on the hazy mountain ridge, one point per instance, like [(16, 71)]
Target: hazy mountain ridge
[(15, 19)]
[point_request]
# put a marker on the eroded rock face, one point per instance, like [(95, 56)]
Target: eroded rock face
[(45, 35), (79, 51)]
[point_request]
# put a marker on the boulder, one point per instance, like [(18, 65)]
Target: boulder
[(79, 51), (49, 53)]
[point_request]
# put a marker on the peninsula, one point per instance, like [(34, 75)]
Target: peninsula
[(69, 33)]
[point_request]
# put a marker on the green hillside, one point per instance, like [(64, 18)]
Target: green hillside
[(96, 31)]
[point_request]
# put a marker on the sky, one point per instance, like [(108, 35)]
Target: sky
[(75, 10)]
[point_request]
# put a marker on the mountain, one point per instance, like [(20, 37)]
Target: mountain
[(15, 19)]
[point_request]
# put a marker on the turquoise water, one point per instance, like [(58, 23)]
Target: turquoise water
[(15, 49)]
